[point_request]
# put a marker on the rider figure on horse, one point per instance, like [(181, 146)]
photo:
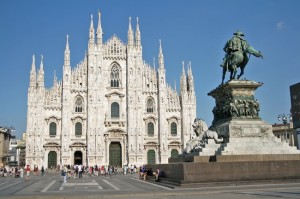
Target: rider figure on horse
[(237, 50), (236, 43)]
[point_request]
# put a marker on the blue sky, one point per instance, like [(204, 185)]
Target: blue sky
[(192, 30)]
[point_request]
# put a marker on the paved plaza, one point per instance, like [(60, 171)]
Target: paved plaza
[(129, 186)]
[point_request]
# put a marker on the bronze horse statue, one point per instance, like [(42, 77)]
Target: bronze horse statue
[(238, 59)]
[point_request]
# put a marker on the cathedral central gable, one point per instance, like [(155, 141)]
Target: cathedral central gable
[(114, 48)]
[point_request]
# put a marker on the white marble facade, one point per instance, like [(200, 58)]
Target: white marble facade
[(112, 108)]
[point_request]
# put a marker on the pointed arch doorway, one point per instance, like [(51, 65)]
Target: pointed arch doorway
[(115, 154), (77, 157)]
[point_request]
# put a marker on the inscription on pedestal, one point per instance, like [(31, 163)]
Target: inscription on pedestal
[(249, 132)]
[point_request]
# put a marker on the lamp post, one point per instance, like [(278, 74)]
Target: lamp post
[(285, 118)]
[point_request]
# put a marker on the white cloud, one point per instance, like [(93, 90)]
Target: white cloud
[(280, 25)]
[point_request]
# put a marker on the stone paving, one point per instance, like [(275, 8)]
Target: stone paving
[(129, 186)]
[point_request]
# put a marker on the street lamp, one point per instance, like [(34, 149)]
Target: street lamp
[(284, 118)]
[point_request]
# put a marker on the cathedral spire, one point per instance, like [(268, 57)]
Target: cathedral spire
[(67, 54), (190, 78), (92, 32), (67, 64), (138, 33), (183, 80), (130, 34), (99, 29), (161, 68), (42, 64), (183, 70), (33, 73), (33, 64), (85, 58), (41, 74), (160, 57), (54, 79)]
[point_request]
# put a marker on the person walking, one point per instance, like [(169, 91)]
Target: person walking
[(21, 172), (65, 174)]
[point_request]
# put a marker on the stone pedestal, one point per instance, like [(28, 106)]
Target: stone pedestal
[(210, 148), (235, 100), (236, 119)]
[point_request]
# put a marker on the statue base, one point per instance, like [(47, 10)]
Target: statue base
[(249, 151), (236, 119), (231, 169)]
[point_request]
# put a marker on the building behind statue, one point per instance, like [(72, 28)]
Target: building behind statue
[(295, 110), (286, 133), (5, 135), (290, 132), (112, 108)]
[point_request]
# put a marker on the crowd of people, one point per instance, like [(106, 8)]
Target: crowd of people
[(11, 172), (77, 171), (145, 172), (19, 172)]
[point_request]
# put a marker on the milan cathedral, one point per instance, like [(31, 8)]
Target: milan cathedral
[(113, 108)]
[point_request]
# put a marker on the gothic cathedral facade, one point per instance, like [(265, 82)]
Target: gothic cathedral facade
[(113, 108)]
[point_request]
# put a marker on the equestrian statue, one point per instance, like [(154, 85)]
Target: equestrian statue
[(237, 50)]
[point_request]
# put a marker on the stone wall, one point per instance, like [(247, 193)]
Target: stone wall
[(220, 172)]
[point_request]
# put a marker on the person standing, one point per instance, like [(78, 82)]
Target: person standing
[(5, 172), (80, 171), (131, 169), (42, 170), (27, 172), (106, 170), (76, 171), (110, 170), (125, 169), (157, 175)]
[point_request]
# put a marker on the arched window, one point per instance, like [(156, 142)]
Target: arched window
[(52, 129), (78, 129), (115, 112), (150, 128), (79, 105), (150, 105), (174, 153), (173, 129), (115, 76)]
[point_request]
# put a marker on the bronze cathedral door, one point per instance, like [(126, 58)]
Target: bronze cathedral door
[(115, 154)]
